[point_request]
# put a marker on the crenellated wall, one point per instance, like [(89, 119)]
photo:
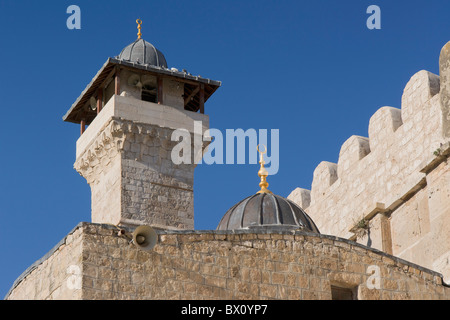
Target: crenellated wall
[(391, 191)]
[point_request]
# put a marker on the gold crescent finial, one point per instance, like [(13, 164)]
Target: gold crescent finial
[(139, 22), (262, 173), (261, 152)]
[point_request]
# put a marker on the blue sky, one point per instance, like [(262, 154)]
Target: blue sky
[(311, 69)]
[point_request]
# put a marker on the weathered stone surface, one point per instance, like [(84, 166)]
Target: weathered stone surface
[(125, 156), (198, 265), (444, 71), (302, 197), (391, 191)]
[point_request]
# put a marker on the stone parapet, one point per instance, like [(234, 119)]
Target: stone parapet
[(225, 265)]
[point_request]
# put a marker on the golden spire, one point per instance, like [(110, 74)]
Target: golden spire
[(262, 173), (139, 22)]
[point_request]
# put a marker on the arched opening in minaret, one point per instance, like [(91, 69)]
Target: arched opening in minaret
[(149, 93)]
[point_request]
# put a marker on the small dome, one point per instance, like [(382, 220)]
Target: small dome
[(266, 210), (143, 52)]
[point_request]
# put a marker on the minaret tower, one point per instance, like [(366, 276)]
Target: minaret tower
[(127, 115)]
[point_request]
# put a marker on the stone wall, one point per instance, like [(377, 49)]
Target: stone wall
[(56, 275), (391, 190), (223, 265)]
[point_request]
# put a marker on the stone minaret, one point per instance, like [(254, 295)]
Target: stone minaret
[(130, 109)]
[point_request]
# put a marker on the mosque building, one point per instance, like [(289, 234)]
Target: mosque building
[(375, 226)]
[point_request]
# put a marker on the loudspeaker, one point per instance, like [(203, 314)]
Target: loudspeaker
[(145, 238)]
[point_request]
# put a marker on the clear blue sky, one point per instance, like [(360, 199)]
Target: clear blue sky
[(311, 69)]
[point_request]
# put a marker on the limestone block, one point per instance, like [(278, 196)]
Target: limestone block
[(443, 263), (420, 88), (301, 197), (438, 182), (353, 150), (151, 113), (444, 72), (382, 126), (325, 175), (410, 222), (376, 234), (95, 127), (440, 231)]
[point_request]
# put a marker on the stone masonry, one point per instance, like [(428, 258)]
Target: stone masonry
[(391, 191), (383, 210), (221, 265), (125, 156)]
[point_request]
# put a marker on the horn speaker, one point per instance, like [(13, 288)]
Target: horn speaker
[(145, 238)]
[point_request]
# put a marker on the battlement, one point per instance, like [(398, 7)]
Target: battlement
[(376, 176), (384, 167)]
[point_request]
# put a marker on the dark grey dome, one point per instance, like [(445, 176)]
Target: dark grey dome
[(266, 210), (143, 52)]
